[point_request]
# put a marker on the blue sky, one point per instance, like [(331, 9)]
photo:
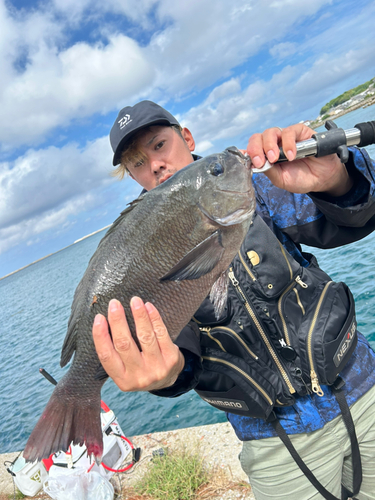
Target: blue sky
[(226, 69)]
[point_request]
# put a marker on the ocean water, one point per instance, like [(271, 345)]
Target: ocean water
[(35, 305)]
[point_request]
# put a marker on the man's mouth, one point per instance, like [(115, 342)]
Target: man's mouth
[(165, 178)]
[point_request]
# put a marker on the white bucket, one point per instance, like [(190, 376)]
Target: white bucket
[(29, 477)]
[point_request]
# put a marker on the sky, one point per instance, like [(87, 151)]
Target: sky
[(225, 69)]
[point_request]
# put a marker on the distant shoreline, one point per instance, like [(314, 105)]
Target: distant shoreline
[(362, 104), (57, 251)]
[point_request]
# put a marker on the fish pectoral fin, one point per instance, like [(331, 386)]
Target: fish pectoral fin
[(219, 294), (199, 261), (69, 345)]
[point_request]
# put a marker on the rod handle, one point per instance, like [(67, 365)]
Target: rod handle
[(367, 130)]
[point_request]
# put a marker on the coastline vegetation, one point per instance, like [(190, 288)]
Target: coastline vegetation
[(342, 104), (345, 96)]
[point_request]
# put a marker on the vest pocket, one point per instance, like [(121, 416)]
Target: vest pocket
[(233, 385), (328, 334)]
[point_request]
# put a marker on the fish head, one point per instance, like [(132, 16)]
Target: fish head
[(224, 187)]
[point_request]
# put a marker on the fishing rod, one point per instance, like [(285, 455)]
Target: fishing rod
[(334, 140)]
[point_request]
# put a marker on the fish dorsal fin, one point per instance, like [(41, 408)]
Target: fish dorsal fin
[(219, 294), (199, 261)]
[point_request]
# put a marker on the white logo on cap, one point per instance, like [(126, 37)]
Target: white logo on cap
[(124, 121)]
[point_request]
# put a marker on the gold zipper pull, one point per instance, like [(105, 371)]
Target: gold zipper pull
[(232, 277), (206, 329), (300, 282), (315, 384)]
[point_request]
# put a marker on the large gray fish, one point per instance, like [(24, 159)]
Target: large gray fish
[(170, 247)]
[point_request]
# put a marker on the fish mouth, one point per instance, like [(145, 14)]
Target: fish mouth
[(239, 193), (237, 216), (244, 156)]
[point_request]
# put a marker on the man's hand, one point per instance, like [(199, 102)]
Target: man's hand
[(326, 174), (155, 367)]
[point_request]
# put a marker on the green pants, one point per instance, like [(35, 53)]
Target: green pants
[(273, 474)]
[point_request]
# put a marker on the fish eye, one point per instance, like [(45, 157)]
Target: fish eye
[(217, 169)]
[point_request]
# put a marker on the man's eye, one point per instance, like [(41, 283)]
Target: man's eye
[(159, 145), (139, 163)]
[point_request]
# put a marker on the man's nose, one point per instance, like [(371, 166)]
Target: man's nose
[(157, 165)]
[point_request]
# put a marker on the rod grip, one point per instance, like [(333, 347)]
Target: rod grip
[(367, 130)]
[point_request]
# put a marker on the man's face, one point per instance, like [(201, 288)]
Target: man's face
[(164, 152)]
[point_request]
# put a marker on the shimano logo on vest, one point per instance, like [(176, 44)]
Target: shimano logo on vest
[(345, 343), (225, 403)]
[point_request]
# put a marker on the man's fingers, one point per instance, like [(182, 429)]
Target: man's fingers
[(293, 134), (267, 144), (107, 355), (255, 150), (159, 327), (122, 338), (288, 142), (144, 327), (264, 146), (271, 142)]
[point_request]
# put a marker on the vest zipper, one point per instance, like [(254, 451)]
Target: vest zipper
[(246, 267), (314, 377), (244, 374), (208, 330), (253, 316), (298, 280), (286, 258), (299, 301)]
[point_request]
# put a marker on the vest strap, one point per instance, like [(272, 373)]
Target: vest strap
[(356, 457)]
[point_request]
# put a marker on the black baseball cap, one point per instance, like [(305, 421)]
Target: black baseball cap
[(131, 119)]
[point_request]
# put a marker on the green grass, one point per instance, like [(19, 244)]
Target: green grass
[(174, 476)]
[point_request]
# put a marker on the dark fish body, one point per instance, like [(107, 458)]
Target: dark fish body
[(169, 248)]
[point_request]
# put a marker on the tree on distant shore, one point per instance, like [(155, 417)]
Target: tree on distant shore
[(345, 96)]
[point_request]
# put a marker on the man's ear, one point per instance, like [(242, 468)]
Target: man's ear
[(188, 137)]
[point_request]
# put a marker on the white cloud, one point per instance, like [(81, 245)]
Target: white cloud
[(221, 117), (281, 101), (47, 178), (44, 187), (283, 50), (47, 82), (208, 38), (56, 87), (28, 229), (203, 147), (135, 10)]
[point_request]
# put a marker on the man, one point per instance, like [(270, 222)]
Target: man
[(339, 208)]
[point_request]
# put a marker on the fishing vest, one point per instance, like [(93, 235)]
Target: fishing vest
[(286, 330)]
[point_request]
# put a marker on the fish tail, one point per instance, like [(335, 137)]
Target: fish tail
[(66, 420)]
